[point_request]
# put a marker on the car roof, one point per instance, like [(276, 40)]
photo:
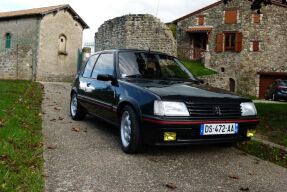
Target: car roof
[(131, 50)]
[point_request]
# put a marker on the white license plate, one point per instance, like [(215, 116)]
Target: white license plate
[(219, 129)]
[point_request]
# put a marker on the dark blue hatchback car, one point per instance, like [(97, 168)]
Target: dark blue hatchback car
[(154, 99)]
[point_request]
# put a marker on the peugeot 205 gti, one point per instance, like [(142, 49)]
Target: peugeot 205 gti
[(154, 99)]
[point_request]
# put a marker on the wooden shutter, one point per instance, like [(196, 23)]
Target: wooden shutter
[(219, 42), (255, 45), (200, 20), (230, 16), (238, 42), (256, 18)]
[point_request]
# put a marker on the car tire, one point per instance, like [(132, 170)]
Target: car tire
[(77, 112), (131, 140), (274, 98)]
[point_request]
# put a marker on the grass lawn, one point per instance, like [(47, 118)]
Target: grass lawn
[(197, 68), (21, 147), (273, 126), (265, 152), (273, 122)]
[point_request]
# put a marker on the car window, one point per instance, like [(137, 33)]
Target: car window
[(152, 66), (283, 83), (104, 65), (89, 66)]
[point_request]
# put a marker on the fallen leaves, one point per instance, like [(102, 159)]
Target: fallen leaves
[(53, 119), (171, 185), (244, 189), (76, 129), (1, 124), (52, 147), (61, 118), (233, 177), (56, 108)]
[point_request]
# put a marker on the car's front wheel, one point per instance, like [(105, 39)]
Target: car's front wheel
[(76, 110), (131, 140)]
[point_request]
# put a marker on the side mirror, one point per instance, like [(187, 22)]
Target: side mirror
[(105, 77)]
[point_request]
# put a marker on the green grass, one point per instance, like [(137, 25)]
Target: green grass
[(21, 151), (197, 68), (273, 122), (265, 152)]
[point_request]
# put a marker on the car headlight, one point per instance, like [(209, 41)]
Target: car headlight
[(169, 108), (248, 109)]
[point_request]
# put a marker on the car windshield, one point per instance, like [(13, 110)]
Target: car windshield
[(152, 66)]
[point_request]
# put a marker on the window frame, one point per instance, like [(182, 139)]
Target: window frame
[(253, 45), (114, 67), (231, 35), (84, 68), (8, 41)]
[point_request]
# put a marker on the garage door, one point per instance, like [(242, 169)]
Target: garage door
[(266, 79)]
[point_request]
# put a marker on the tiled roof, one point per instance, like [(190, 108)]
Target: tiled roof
[(199, 29), (41, 11), (275, 2)]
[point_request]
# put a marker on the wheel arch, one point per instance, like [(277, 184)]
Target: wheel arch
[(131, 103)]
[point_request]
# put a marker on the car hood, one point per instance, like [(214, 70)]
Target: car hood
[(176, 90)]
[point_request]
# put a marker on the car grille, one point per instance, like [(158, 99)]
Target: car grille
[(214, 110)]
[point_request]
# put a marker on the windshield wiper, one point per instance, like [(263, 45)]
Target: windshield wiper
[(134, 76)]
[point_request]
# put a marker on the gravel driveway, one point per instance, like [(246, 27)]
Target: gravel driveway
[(86, 156)]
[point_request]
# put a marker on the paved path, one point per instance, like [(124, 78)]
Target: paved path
[(91, 160)]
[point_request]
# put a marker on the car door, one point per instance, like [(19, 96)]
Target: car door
[(103, 93), (84, 91)]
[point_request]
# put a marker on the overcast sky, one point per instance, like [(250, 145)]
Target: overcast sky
[(95, 12)]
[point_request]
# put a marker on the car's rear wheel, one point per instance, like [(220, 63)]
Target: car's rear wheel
[(131, 140), (76, 110), (274, 98)]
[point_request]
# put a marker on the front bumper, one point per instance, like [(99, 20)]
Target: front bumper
[(188, 132)]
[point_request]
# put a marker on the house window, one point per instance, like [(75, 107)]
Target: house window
[(255, 46), (62, 45), (229, 41), (200, 20), (230, 16), (256, 18), (8, 41)]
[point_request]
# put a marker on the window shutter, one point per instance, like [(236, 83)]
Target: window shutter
[(200, 20), (219, 42), (230, 16), (256, 18), (238, 42), (255, 46)]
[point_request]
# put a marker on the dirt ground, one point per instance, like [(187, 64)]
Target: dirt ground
[(86, 156)]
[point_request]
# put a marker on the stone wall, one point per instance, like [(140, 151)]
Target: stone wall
[(135, 31), (244, 66), (54, 65), (18, 62)]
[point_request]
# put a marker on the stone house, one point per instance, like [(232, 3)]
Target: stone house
[(248, 50), (40, 44), (138, 31)]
